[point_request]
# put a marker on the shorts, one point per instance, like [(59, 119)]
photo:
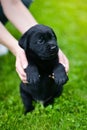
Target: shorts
[(3, 18)]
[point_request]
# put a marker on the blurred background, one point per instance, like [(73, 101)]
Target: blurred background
[(69, 21)]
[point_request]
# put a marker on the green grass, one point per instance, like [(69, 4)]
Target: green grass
[(69, 112)]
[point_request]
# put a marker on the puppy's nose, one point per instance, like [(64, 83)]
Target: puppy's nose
[(53, 47)]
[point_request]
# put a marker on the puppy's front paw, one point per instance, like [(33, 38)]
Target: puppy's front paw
[(32, 74), (60, 75)]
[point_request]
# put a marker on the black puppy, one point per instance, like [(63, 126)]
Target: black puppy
[(40, 45)]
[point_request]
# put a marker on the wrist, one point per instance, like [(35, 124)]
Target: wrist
[(14, 47), (18, 50)]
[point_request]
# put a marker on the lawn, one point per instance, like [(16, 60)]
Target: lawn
[(69, 112)]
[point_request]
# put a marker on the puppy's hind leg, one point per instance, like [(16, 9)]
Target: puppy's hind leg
[(57, 94), (49, 102), (27, 101)]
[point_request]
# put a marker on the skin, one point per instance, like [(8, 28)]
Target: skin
[(22, 19)]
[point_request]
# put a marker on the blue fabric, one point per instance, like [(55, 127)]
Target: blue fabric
[(27, 2)]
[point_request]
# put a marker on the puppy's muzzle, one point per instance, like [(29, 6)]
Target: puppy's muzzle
[(52, 48)]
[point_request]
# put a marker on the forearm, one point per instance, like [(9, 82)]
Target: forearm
[(18, 14), (8, 40)]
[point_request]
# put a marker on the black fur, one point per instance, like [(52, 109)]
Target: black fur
[(41, 48)]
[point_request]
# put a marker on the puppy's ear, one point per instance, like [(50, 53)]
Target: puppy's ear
[(23, 41), (54, 34)]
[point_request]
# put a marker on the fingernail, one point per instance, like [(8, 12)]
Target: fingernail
[(64, 65), (24, 66)]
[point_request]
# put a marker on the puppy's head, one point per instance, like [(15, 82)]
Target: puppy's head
[(41, 40)]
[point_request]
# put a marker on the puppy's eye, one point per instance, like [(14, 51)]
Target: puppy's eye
[(40, 40)]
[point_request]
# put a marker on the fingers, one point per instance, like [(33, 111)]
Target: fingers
[(66, 65), (20, 71), (21, 64), (21, 74), (63, 60)]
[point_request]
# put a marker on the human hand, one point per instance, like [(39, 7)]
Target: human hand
[(63, 60), (21, 64)]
